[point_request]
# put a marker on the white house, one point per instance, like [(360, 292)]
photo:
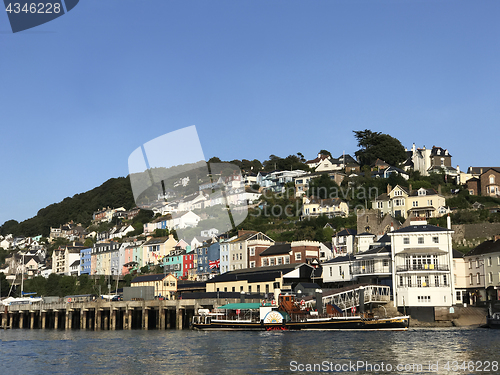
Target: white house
[(423, 261), (338, 270)]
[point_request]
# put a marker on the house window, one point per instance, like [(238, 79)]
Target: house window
[(459, 295), (429, 202), (379, 204), (420, 240), (415, 203), (225, 289), (406, 240), (477, 262), (287, 259), (298, 256), (436, 280), (249, 289), (398, 192), (419, 281), (252, 264), (252, 251), (258, 288), (234, 289), (470, 264), (280, 260), (401, 283), (435, 239), (331, 271), (272, 261), (492, 179), (241, 256), (478, 278), (489, 262), (471, 279), (386, 262), (264, 262)]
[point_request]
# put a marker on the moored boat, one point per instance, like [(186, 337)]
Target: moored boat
[(290, 314)]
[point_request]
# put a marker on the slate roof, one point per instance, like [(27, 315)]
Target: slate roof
[(457, 254), (281, 248), (347, 232), (344, 258), (376, 250), (76, 263), (384, 239), (421, 228), (318, 159), (157, 240), (258, 274), (485, 247)]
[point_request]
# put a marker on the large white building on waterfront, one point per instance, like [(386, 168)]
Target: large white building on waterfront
[(422, 273)]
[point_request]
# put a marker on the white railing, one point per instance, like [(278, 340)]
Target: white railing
[(350, 298)]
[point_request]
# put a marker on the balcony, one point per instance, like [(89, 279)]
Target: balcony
[(422, 267), (366, 270)]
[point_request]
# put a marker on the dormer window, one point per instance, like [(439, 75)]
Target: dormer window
[(398, 193), (422, 192)]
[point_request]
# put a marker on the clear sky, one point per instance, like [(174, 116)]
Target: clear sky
[(257, 77)]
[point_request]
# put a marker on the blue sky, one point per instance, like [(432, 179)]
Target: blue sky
[(259, 77)]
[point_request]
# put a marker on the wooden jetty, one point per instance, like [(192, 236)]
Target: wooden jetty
[(107, 315)]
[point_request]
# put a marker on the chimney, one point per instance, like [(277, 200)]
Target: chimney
[(458, 169), (439, 189), (481, 170), (410, 188), (389, 188), (392, 227), (448, 222)]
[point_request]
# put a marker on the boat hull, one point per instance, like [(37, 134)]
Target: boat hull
[(493, 323), (398, 323)]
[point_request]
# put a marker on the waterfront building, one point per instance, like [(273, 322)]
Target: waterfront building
[(238, 249), (344, 242), (85, 261), (64, 257), (165, 285), (263, 280), (208, 263), (423, 260), (338, 270), (483, 271)]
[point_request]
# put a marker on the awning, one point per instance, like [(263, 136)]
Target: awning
[(422, 250)]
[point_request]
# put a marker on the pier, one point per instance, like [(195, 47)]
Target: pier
[(107, 315)]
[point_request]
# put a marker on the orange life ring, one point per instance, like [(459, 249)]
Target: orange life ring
[(69, 299), (302, 302)]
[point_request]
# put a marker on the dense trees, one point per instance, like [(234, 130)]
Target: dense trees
[(376, 145), (115, 192)]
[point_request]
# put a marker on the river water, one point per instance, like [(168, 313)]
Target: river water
[(417, 351)]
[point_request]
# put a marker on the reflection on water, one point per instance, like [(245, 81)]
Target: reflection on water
[(192, 352)]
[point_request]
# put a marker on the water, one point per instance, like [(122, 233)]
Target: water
[(195, 352)]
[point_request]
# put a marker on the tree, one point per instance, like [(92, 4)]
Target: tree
[(375, 145), (323, 187), (4, 285), (325, 152)]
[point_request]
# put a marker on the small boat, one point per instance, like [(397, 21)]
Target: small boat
[(290, 314)]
